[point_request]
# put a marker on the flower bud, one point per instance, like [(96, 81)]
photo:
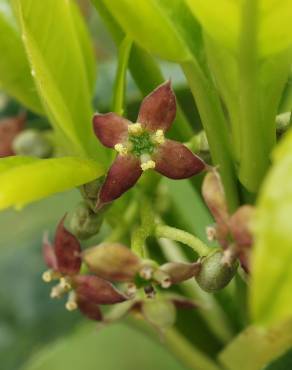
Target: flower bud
[(214, 196), (84, 223), (90, 192), (32, 143), (112, 261), (159, 312), (215, 274), (178, 271)]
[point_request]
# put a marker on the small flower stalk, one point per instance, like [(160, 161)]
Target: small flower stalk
[(142, 145)]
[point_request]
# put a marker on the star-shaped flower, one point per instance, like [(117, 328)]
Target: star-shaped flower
[(86, 292), (142, 145)]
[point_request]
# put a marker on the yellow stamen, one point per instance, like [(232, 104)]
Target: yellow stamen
[(135, 128), (158, 137), (47, 276), (147, 165), (121, 149), (64, 283), (71, 304), (57, 291)]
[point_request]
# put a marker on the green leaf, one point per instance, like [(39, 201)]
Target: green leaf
[(53, 45), (10, 162), (121, 75), (30, 180), (163, 27), (255, 347), (271, 280), (274, 22), (15, 76), (106, 349)]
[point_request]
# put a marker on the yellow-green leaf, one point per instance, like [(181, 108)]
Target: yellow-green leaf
[(33, 179), (271, 280), (157, 25), (61, 68), (223, 22), (15, 77)]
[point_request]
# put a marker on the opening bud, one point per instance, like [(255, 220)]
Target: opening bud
[(215, 273)]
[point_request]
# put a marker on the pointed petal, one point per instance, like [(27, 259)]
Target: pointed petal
[(240, 225), (179, 271), (67, 250), (89, 309), (123, 174), (113, 262), (176, 161), (97, 290), (9, 129), (49, 254), (158, 109), (110, 128)]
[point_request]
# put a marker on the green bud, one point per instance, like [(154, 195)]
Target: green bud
[(90, 192), (215, 273), (159, 312), (84, 223), (32, 143)]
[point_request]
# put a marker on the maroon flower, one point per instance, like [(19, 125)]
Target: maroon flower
[(142, 145), (9, 129), (86, 292)]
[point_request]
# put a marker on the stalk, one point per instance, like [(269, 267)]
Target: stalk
[(215, 125)]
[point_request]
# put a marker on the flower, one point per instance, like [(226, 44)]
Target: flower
[(86, 292), (142, 145)]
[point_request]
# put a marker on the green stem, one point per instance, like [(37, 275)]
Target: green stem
[(211, 311), (255, 147), (187, 353), (163, 231), (119, 232), (121, 76), (215, 125)]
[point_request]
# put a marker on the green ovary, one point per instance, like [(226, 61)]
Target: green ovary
[(141, 144)]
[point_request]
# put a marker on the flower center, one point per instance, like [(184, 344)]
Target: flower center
[(141, 144)]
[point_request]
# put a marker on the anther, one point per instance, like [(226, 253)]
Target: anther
[(211, 233), (158, 137), (135, 128), (57, 291), (71, 303), (121, 149), (146, 272), (50, 275)]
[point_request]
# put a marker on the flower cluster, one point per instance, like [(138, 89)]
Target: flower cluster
[(142, 145), (108, 264)]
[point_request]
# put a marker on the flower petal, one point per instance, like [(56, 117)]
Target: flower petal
[(67, 250), (49, 254), (179, 271), (158, 109), (123, 174), (9, 129), (110, 128), (97, 290), (89, 309), (176, 161), (113, 262)]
